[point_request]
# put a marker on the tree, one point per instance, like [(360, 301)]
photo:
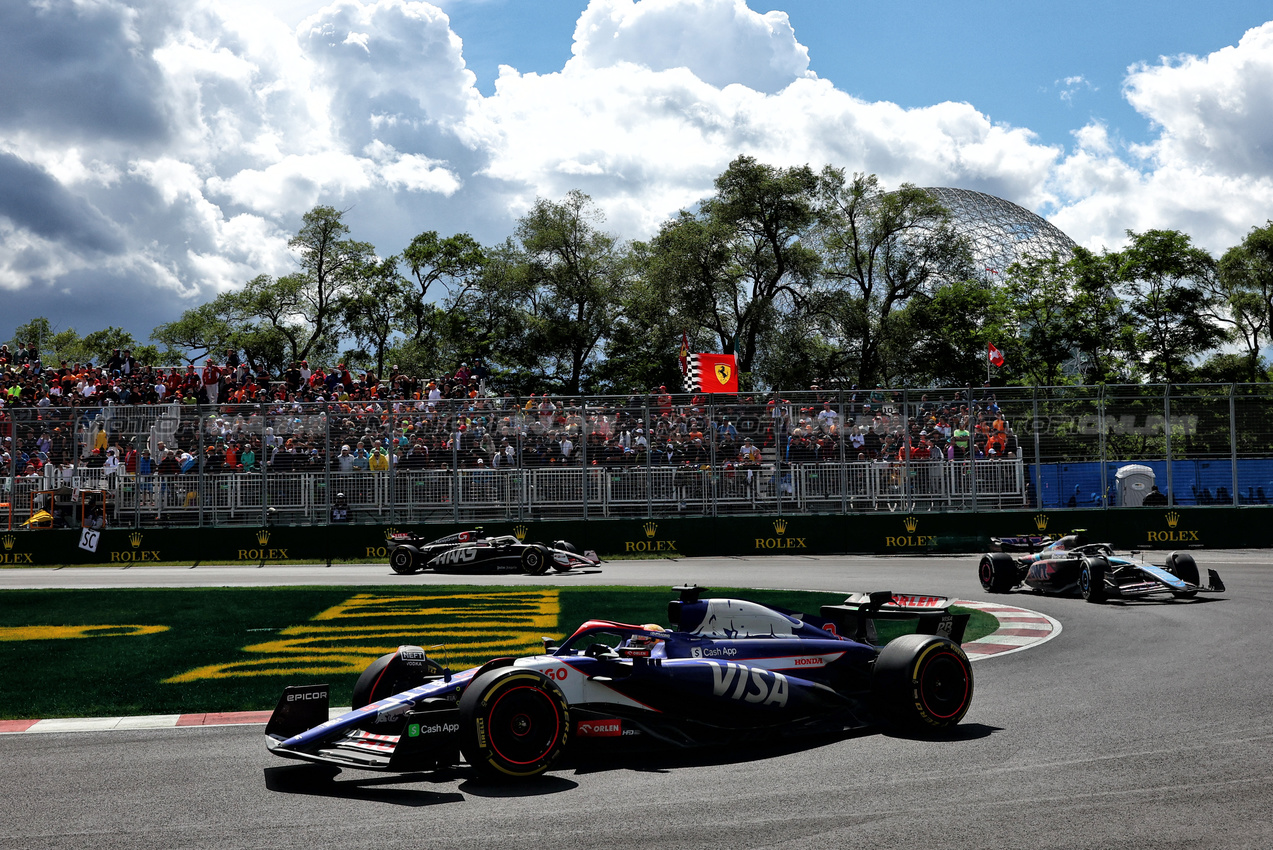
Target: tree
[(879, 249), (755, 222), (1067, 311), (372, 310), (574, 274), (454, 262), (1169, 286), (951, 331), (331, 266), (1245, 287)]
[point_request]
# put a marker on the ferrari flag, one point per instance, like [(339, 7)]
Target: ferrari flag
[(996, 356), (712, 373)]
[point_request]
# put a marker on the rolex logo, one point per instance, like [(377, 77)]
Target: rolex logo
[(911, 524), (1173, 517), (135, 539), (519, 531), (651, 528), (780, 526), (263, 537), (9, 540), (1041, 521), (390, 532)]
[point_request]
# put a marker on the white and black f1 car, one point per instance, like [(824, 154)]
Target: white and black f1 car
[(728, 672), (1071, 565), (470, 552)]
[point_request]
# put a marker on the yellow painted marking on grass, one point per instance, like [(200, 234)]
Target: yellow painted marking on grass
[(347, 637), (72, 632)]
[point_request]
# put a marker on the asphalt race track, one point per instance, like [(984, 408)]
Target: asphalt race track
[(1140, 725)]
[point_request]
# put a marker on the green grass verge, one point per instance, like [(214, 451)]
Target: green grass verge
[(233, 649)]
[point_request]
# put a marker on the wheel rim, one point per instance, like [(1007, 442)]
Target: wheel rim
[(943, 685), (524, 725), (987, 576), (1085, 581)]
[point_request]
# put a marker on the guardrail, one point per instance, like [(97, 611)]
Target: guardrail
[(515, 494)]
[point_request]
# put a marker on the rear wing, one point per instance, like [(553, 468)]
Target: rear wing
[(856, 617)]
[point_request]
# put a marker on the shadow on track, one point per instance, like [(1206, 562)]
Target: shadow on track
[(320, 780)]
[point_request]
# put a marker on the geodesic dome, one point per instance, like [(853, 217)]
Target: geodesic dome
[(1000, 232)]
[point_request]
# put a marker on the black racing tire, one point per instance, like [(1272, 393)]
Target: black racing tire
[(383, 678), (514, 723), (535, 560), (1184, 567), (1092, 578), (922, 683), (563, 544), (997, 572), (404, 560)]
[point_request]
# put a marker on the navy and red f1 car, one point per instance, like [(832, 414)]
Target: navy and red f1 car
[(470, 552), (728, 672), (1072, 565)]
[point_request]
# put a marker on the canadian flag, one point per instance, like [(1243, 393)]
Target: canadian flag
[(996, 356)]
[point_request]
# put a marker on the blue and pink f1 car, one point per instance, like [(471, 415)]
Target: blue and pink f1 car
[(1073, 565), (729, 671)]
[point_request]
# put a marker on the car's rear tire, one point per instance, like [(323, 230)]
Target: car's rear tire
[(997, 572), (535, 560), (1092, 578), (922, 683), (403, 560), (514, 723), (1184, 567)]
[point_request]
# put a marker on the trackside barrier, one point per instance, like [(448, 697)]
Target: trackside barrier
[(1161, 529)]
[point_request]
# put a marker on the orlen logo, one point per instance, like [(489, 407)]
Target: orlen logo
[(919, 601), (599, 729), (307, 696)]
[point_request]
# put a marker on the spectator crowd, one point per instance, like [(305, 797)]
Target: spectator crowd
[(228, 417)]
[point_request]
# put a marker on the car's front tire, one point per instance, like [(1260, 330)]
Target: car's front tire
[(535, 560), (997, 572), (514, 723), (403, 560), (1092, 578), (1184, 567), (922, 683)]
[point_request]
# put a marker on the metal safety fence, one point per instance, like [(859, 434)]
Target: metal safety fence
[(815, 451)]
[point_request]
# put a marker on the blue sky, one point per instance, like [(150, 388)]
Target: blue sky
[(1011, 60), (156, 152)]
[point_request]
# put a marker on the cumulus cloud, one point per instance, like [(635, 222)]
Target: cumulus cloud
[(719, 41), (166, 149), (1209, 171)]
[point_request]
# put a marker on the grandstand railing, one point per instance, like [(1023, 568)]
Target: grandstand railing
[(466, 494)]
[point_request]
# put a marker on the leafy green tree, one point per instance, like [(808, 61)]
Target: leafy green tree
[(1169, 287), (574, 273), (879, 249), (952, 329), (643, 345), (1245, 287), (331, 266), (454, 262), (756, 223), (371, 311), (1066, 312), (99, 345)]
